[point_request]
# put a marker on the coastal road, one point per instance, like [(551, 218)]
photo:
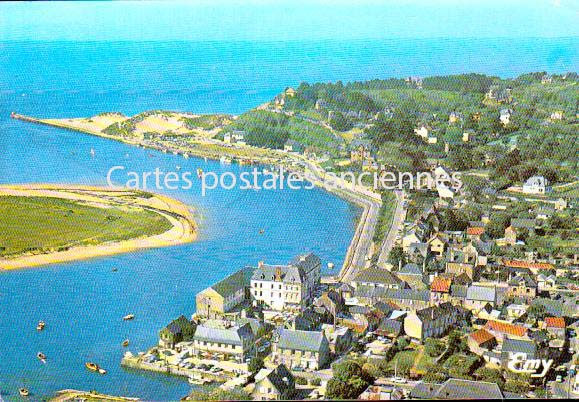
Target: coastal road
[(397, 222), (358, 254)]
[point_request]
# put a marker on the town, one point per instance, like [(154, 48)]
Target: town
[(447, 292)]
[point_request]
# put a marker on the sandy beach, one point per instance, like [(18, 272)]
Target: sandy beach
[(183, 228)]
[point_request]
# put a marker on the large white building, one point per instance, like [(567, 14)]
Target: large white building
[(536, 185), (286, 287)]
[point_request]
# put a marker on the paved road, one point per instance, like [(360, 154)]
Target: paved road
[(397, 222)]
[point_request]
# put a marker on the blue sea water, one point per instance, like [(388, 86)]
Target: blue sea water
[(83, 302)]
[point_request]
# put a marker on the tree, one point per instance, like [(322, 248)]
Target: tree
[(397, 257), (434, 347), (349, 381), (490, 375), (255, 364)]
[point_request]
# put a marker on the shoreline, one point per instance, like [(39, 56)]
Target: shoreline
[(183, 228), (365, 199)]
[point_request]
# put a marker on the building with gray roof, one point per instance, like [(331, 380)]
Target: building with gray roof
[(306, 349)]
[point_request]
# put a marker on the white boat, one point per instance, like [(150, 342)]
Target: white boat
[(128, 317), (92, 152), (330, 265)]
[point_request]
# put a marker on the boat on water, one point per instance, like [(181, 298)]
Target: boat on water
[(261, 231), (92, 153), (178, 167), (95, 367), (126, 343), (115, 269), (41, 356), (199, 173), (128, 317), (330, 265), (24, 392), (40, 326)]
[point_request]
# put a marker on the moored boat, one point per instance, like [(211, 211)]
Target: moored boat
[(40, 326), (128, 317), (41, 356), (126, 343), (23, 392), (91, 366)]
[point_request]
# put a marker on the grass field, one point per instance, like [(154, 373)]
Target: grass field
[(46, 224)]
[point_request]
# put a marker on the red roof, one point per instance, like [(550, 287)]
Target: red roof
[(525, 264), (506, 328), (440, 284), (555, 322), (475, 231), (481, 336)]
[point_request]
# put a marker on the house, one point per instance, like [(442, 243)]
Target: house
[(536, 185), (510, 235), (478, 296), (413, 275), (557, 115), (306, 349), (515, 346), (377, 277), (546, 282), (274, 384), (361, 150), (534, 267), (409, 299), (475, 233), (423, 131), (178, 330), (290, 92), (440, 290), (455, 117), (523, 286), (515, 311), (379, 393), (286, 287), (505, 116), (480, 341), (411, 237), (458, 268), (437, 244), (501, 330), (431, 322), (225, 295), (390, 327), (293, 146), (545, 212), (235, 342), (457, 389), (555, 326), (235, 137), (340, 338), (560, 204)]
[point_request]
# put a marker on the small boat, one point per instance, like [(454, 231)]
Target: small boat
[(261, 231), (126, 343), (40, 326), (102, 371), (41, 356), (115, 269), (91, 366), (199, 173), (24, 392), (92, 152), (330, 265), (128, 317), (178, 167)]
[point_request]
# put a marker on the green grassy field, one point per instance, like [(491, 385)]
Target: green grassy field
[(46, 224)]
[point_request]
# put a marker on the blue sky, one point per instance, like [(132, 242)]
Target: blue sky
[(287, 20)]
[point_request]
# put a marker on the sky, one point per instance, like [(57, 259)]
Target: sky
[(284, 20)]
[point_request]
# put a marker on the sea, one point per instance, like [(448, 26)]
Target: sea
[(83, 302)]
